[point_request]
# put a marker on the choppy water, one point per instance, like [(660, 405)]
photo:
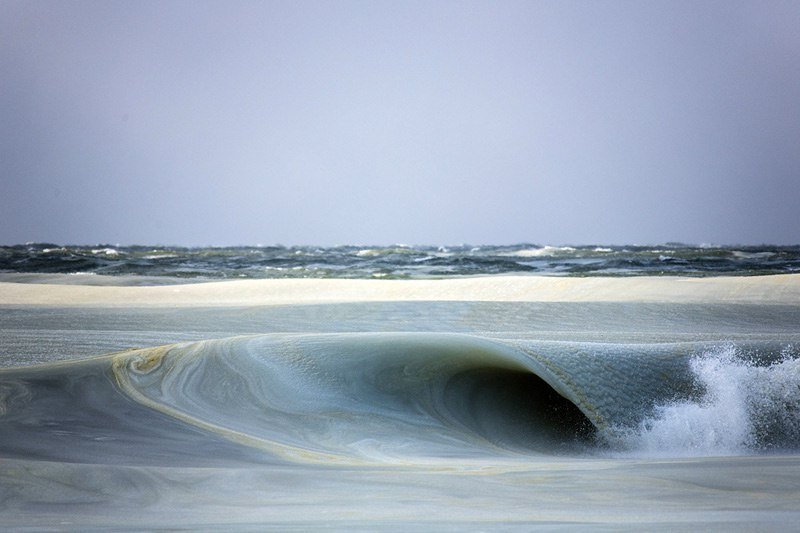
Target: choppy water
[(399, 261)]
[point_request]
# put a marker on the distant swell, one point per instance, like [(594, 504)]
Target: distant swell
[(148, 265)]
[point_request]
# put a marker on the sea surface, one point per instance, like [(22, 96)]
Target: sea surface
[(398, 415), (397, 261)]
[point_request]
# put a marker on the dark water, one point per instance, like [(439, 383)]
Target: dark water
[(398, 261)]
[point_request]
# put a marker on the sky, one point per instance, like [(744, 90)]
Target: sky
[(379, 122)]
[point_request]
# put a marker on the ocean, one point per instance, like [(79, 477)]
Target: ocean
[(395, 262), (400, 388)]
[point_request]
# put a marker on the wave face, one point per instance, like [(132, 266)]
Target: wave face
[(363, 398), (148, 265), (404, 398)]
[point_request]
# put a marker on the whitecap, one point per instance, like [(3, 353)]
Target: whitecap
[(751, 255), (539, 252), (106, 251)]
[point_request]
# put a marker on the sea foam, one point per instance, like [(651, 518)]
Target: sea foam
[(745, 407)]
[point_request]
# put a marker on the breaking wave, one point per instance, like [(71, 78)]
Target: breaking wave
[(744, 406), (406, 399)]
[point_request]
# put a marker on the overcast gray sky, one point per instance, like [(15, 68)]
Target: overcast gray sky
[(384, 122)]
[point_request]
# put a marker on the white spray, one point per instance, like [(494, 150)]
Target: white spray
[(745, 408)]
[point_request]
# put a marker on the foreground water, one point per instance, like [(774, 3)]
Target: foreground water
[(648, 408)]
